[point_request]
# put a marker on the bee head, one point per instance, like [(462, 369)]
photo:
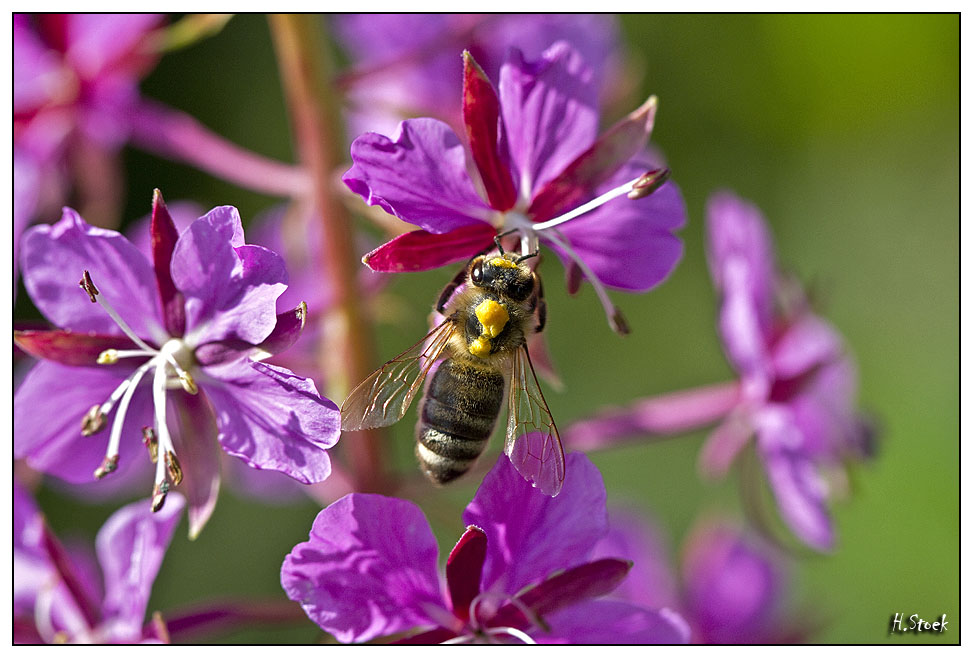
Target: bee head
[(503, 275)]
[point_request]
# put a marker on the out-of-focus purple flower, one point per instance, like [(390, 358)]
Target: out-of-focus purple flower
[(541, 170), (199, 318), (522, 571), (75, 88), (731, 589), (798, 384), (54, 602), (405, 65)]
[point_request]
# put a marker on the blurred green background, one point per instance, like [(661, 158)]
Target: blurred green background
[(845, 131)]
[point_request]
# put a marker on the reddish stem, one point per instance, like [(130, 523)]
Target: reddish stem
[(346, 349)]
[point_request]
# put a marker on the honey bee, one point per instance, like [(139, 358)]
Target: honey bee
[(481, 348)]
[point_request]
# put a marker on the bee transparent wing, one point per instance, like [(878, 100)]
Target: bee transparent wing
[(384, 397), (533, 444)]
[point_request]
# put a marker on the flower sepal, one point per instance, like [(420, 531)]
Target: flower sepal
[(70, 348), (561, 590)]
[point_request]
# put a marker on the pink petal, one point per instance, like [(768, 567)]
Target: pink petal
[(798, 488), (579, 180), (53, 258), (808, 342), (419, 176), (231, 288), (193, 428), (48, 408), (550, 113), (737, 240), (368, 569), (273, 419), (531, 534), (615, 622), (131, 546)]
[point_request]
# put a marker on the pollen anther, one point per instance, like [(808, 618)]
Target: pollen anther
[(174, 468), (107, 466), (93, 421), (159, 492), (188, 383), (88, 286), (151, 442), (108, 357)]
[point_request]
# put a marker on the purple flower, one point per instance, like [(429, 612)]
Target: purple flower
[(53, 602), (522, 570), (170, 353), (404, 65), (305, 284), (797, 382), (544, 173), (732, 586), (75, 87)]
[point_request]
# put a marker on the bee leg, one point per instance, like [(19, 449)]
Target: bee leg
[(450, 288), (541, 305)]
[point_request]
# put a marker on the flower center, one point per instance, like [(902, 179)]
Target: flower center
[(170, 365), (482, 633)]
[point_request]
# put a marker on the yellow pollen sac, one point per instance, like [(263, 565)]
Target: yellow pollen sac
[(480, 347), (501, 261), (108, 357), (492, 316)]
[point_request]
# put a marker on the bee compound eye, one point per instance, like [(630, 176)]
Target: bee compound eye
[(477, 274)]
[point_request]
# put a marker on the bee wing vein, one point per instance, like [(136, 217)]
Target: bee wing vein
[(385, 395)]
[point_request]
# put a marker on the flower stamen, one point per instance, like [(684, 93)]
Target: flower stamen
[(641, 186), (108, 465), (93, 421), (95, 296), (151, 442), (111, 355), (114, 439), (166, 462), (174, 468), (159, 492), (157, 440), (615, 318), (511, 631), (649, 182)]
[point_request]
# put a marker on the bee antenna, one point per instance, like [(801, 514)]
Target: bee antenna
[(496, 239), (521, 259)]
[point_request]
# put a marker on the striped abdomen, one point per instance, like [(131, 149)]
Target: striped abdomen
[(458, 414)]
